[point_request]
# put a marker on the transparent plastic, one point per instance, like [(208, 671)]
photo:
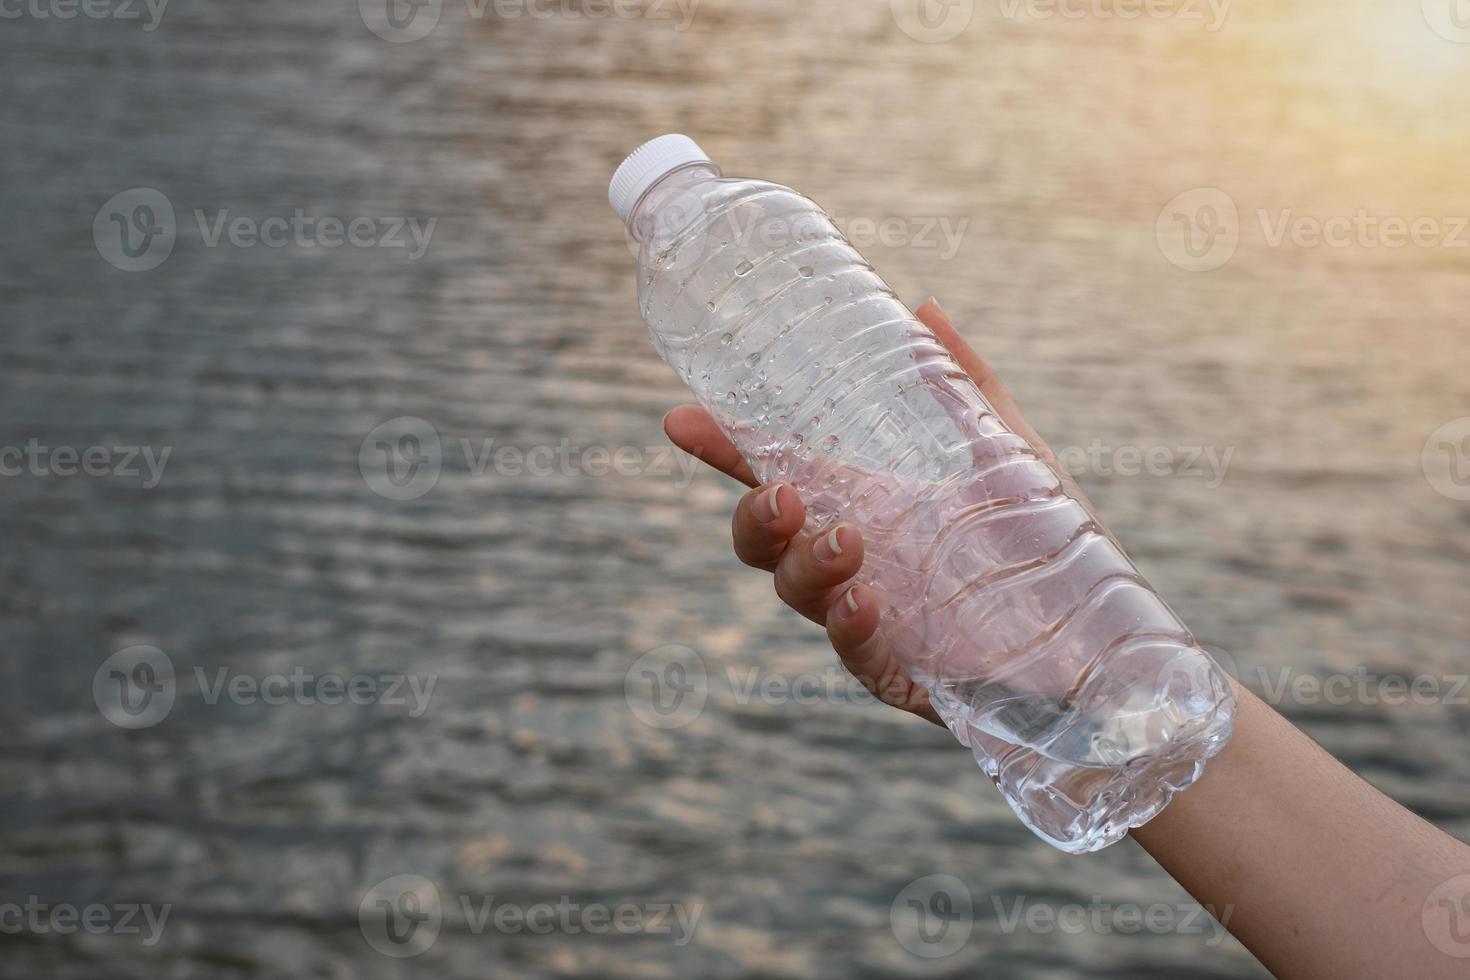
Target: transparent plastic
[(1047, 654)]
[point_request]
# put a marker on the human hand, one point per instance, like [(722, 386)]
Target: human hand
[(813, 572)]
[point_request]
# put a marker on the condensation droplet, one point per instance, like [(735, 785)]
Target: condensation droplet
[(731, 398), (806, 272), (744, 268), (830, 443), (726, 339)]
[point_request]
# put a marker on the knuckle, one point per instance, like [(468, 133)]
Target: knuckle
[(754, 557), (786, 590)]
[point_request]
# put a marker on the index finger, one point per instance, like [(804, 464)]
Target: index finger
[(693, 429), (994, 390)]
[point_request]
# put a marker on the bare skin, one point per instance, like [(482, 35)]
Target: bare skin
[(1324, 876)]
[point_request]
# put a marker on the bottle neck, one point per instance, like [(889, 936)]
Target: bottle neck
[(670, 189)]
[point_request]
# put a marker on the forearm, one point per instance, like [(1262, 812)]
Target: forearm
[(1317, 873)]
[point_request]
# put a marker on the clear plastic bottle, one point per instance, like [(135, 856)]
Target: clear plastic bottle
[(1081, 694)]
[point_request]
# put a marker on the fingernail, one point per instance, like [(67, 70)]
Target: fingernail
[(768, 508), (851, 599), (828, 547)]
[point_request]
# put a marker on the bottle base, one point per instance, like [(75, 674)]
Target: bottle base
[(1079, 812)]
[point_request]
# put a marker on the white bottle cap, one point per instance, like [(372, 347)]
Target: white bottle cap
[(646, 165)]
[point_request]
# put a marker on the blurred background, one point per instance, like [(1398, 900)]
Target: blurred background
[(342, 552)]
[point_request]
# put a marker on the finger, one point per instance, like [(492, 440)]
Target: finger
[(994, 390), (766, 519), (813, 566), (852, 628), (979, 369), (694, 430)]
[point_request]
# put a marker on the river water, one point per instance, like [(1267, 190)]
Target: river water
[(1253, 432)]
